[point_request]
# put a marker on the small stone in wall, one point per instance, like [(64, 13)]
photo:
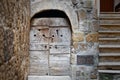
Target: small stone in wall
[(93, 74)]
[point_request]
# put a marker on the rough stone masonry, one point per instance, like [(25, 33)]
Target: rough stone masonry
[(14, 32)]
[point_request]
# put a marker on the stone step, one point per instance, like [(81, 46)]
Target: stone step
[(109, 67), (110, 21), (109, 64), (109, 46), (109, 24), (31, 77), (109, 39), (110, 42), (109, 71), (109, 58), (110, 27), (110, 14), (109, 50), (109, 35), (109, 18), (109, 54), (101, 31)]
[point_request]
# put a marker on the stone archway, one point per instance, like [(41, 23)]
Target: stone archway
[(63, 7), (53, 5)]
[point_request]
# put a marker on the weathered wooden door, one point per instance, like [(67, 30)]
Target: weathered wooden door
[(106, 5), (50, 40)]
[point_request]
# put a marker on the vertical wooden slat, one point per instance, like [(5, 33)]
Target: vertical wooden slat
[(60, 36)]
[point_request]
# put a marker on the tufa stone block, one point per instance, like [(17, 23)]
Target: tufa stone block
[(78, 37), (92, 37)]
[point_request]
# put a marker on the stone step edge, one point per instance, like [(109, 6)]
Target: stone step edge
[(109, 46), (109, 12), (109, 18), (109, 71), (109, 64), (108, 31), (109, 54), (108, 24), (109, 39)]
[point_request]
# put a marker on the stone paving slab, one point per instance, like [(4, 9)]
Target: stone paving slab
[(31, 77)]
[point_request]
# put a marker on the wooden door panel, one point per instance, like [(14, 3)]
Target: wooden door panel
[(36, 57), (59, 64), (39, 71), (38, 46), (59, 49), (60, 36), (60, 57), (106, 5), (39, 34), (60, 71), (39, 62)]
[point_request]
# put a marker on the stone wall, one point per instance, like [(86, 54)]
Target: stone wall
[(84, 52), (14, 31), (85, 49)]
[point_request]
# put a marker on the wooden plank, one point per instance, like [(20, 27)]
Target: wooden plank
[(50, 21), (39, 58), (39, 55), (39, 34), (59, 49), (38, 46), (40, 71), (39, 62), (60, 71), (60, 57), (60, 35), (60, 64), (54, 49)]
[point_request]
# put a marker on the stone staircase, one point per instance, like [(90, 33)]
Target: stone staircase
[(109, 40)]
